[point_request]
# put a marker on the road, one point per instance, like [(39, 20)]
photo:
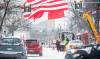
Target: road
[(48, 53)]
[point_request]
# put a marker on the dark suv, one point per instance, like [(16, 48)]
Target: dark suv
[(12, 48)]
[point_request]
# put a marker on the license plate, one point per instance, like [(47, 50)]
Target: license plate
[(31, 51), (9, 49)]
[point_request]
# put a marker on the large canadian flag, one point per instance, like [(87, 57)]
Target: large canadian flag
[(55, 8)]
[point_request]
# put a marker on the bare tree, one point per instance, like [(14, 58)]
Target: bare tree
[(11, 17), (5, 7), (13, 22)]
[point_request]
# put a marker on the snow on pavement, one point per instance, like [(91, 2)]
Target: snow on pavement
[(48, 53)]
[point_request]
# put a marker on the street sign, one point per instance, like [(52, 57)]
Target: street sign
[(78, 5)]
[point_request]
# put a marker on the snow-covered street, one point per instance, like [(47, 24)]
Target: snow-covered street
[(48, 53)]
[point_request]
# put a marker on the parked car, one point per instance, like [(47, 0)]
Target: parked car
[(12, 48), (72, 47), (91, 51), (34, 47)]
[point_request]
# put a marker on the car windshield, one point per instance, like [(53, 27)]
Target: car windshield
[(31, 41), (76, 41), (10, 41)]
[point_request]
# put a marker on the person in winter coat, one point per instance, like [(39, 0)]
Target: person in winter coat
[(58, 45), (66, 41)]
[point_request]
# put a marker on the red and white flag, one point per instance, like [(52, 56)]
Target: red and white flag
[(55, 8), (36, 13), (28, 1)]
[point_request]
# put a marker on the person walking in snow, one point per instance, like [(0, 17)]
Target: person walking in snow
[(58, 45)]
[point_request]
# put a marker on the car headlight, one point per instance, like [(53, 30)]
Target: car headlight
[(73, 50), (98, 48), (76, 55), (21, 54)]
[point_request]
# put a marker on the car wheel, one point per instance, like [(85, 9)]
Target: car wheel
[(18, 58), (40, 54), (80, 57), (22, 58), (25, 58), (83, 55), (69, 56)]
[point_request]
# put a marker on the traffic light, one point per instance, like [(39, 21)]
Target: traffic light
[(78, 5), (27, 8)]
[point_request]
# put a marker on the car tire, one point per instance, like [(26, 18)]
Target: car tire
[(22, 58), (80, 57), (18, 58), (83, 55), (68, 56), (40, 54), (25, 58)]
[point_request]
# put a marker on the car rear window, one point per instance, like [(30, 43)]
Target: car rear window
[(10, 41), (31, 41), (75, 41)]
